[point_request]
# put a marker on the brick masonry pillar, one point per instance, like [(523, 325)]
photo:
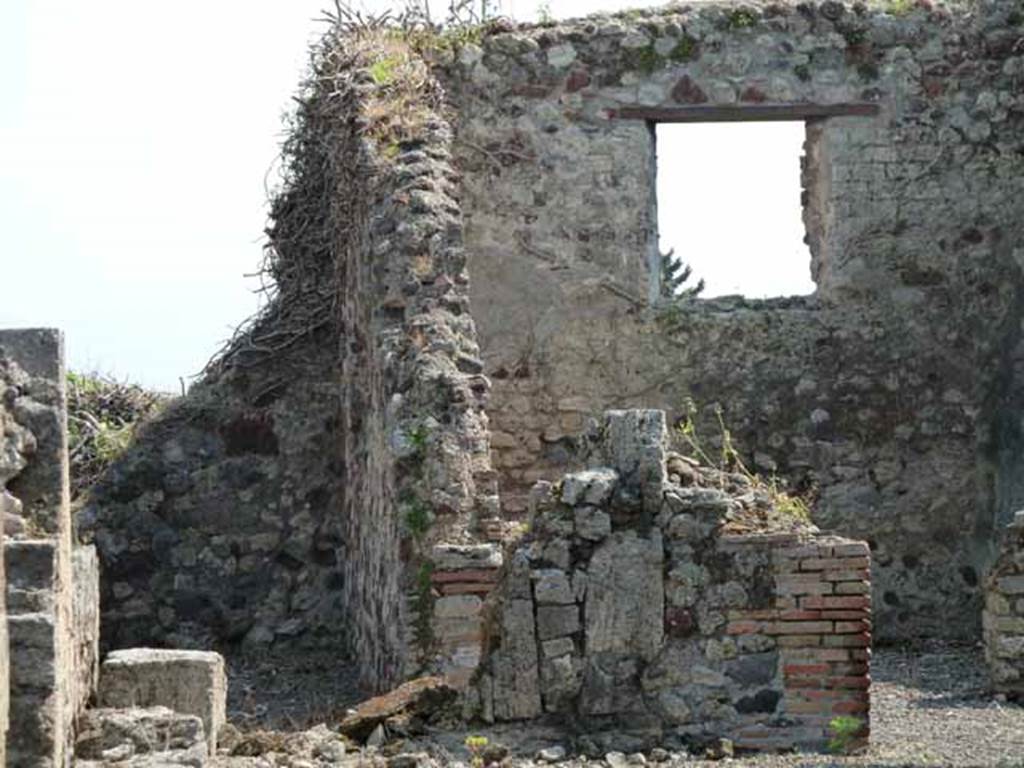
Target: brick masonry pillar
[(821, 623)]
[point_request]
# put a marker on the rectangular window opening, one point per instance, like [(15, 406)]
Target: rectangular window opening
[(730, 209)]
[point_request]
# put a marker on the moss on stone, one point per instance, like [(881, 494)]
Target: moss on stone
[(741, 18), (645, 59), (687, 49)]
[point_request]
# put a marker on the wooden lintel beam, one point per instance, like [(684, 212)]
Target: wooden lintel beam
[(706, 113)]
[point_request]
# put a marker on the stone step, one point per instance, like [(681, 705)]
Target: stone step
[(189, 682), (141, 737)]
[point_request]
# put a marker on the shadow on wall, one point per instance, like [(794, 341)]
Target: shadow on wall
[(218, 525)]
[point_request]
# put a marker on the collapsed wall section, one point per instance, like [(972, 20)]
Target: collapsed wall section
[(892, 390), (658, 602)]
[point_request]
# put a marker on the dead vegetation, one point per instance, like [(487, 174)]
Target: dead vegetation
[(103, 417), (367, 94)]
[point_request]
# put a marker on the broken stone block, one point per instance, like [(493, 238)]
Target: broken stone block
[(457, 606), (592, 524), (150, 736), (625, 602), (558, 647), (635, 443), (592, 486), (188, 682), (610, 685), (561, 678), (514, 664), (557, 621), (86, 613), (423, 697), (456, 557), (551, 587)]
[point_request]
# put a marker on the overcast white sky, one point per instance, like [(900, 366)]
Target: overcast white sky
[(136, 139)]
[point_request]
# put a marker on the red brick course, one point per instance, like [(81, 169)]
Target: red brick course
[(821, 622)]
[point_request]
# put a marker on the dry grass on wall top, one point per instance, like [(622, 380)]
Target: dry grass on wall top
[(103, 418), (364, 83), (404, 97)]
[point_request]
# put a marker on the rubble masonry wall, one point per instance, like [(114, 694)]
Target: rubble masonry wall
[(893, 390)]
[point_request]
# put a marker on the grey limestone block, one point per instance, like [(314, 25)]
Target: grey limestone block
[(187, 682)]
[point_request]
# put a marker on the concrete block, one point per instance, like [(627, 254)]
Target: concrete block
[(188, 682)]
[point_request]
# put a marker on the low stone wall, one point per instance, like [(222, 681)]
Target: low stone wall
[(665, 612), (1003, 619)]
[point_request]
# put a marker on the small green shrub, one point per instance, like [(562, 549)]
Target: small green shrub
[(803, 72), (674, 274), (855, 36), (103, 417), (424, 629), (476, 746), (423, 576), (383, 70), (645, 59), (417, 517), (729, 460), (687, 49), (845, 731), (418, 436), (741, 18), (900, 7)]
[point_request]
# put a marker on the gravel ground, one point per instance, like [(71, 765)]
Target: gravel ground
[(290, 692), (929, 708)]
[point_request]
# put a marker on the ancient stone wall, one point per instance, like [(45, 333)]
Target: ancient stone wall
[(1003, 618), (44, 697), (890, 391), (297, 494), (415, 442), (217, 525), (666, 613)]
